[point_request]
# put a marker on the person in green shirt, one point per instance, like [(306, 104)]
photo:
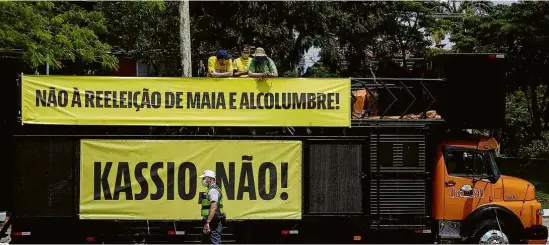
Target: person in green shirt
[(261, 65)]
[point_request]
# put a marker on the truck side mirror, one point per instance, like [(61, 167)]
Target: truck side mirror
[(493, 179)]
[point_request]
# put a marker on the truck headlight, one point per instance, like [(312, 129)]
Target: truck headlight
[(540, 212)]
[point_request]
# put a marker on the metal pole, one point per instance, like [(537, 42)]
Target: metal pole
[(47, 67)]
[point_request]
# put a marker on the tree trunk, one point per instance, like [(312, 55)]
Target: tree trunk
[(295, 53), (546, 109), (185, 38), (536, 115)]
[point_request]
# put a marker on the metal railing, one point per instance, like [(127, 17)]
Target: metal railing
[(377, 87)]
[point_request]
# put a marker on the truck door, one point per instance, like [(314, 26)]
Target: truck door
[(466, 184)]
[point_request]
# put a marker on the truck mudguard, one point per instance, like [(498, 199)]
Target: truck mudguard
[(488, 212)]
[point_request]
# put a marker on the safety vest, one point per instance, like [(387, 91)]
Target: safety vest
[(206, 203)]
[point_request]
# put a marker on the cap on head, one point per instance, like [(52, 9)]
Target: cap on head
[(259, 51), (208, 173), (222, 54)]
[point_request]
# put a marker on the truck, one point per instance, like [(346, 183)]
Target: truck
[(404, 170)]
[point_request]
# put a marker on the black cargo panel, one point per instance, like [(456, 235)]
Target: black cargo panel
[(474, 92), (334, 178), (44, 181), (397, 181)]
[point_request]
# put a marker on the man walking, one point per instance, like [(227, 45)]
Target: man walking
[(212, 209)]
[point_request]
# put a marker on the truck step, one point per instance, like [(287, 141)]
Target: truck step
[(222, 242), (200, 234), (145, 227), (194, 235)]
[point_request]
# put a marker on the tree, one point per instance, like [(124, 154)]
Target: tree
[(46, 32), (185, 37), (147, 31), (448, 15), (521, 31)]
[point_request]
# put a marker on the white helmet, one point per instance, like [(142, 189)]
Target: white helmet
[(208, 173)]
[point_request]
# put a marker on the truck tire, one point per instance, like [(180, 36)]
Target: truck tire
[(488, 231), (7, 238)]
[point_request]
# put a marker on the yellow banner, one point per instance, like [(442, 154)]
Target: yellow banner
[(165, 101), (158, 179)]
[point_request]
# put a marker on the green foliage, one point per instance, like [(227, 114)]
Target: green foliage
[(289, 74), (435, 51), (347, 32), (520, 139), (319, 70), (521, 31), (230, 25), (145, 31), (53, 32), (452, 15), (537, 148), (542, 196)]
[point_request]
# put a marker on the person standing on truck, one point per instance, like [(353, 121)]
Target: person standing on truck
[(212, 206), (241, 65), (220, 65), (261, 65)]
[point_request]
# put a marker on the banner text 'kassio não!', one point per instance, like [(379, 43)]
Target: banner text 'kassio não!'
[(148, 179)]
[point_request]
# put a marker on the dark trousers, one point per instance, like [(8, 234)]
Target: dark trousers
[(214, 236)]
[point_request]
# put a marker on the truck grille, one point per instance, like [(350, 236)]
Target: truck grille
[(334, 171), (398, 196), (397, 181), (44, 173)]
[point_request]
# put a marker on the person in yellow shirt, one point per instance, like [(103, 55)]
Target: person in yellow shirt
[(242, 64), (220, 65)]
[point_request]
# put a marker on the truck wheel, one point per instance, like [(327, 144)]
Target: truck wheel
[(488, 232), (7, 238)]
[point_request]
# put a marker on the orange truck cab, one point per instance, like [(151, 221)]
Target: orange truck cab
[(474, 202)]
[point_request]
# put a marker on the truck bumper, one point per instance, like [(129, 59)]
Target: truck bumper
[(537, 234)]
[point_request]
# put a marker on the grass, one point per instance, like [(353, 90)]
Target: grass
[(542, 192), (543, 197)]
